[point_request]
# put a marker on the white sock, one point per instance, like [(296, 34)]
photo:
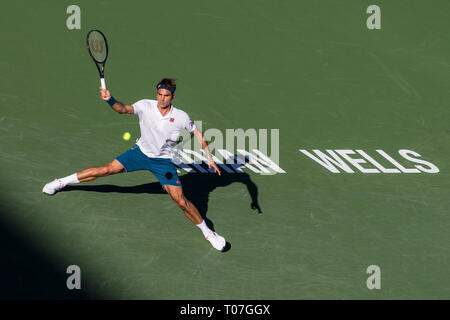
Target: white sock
[(70, 179), (206, 231)]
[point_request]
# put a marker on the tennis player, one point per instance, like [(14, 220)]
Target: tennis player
[(160, 123)]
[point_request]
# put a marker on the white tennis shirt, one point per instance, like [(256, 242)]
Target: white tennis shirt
[(158, 132)]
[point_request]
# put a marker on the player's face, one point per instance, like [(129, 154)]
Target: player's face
[(164, 98)]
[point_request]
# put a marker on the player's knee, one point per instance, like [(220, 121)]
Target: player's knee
[(110, 169), (181, 202), (106, 170)]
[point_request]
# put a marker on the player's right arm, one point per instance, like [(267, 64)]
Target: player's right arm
[(118, 106)]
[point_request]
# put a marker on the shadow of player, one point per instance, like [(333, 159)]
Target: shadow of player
[(196, 188)]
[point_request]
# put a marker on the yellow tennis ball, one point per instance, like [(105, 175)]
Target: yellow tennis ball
[(126, 136)]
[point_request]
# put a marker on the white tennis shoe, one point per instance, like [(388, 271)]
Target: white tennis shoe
[(217, 241), (52, 187)]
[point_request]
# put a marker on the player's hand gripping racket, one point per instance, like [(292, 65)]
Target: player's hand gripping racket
[(98, 49)]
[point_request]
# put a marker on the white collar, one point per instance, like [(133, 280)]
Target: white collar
[(168, 115)]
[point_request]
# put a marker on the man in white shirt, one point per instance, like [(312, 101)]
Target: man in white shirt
[(160, 123)]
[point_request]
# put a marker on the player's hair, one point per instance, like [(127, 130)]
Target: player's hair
[(169, 83)]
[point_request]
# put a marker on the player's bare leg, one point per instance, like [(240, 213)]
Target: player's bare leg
[(88, 174), (192, 214), (93, 173), (188, 208)]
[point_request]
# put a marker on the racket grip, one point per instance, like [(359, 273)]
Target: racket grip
[(103, 83)]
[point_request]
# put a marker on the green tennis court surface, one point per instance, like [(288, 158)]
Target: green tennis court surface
[(311, 69)]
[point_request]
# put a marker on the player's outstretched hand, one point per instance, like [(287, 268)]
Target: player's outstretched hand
[(214, 165), (105, 94)]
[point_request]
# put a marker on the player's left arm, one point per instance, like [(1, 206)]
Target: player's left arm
[(201, 139)]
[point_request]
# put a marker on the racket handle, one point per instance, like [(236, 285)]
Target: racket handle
[(103, 83)]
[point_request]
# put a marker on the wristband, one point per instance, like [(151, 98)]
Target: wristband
[(111, 101)]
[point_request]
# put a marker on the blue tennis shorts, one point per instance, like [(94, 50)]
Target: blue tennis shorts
[(163, 169)]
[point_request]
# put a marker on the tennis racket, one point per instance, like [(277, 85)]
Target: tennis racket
[(98, 50)]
